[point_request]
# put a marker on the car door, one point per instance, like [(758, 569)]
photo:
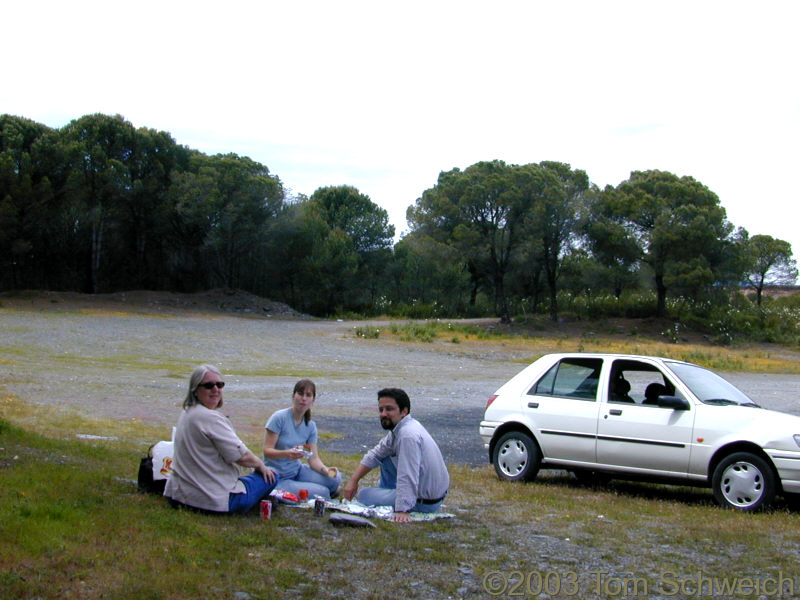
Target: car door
[(635, 434), (563, 405)]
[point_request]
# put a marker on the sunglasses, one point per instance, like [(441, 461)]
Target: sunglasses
[(210, 384)]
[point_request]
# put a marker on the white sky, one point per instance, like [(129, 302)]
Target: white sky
[(386, 95)]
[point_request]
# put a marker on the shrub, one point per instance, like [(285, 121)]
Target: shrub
[(368, 333)]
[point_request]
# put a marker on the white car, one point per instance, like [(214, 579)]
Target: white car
[(642, 417)]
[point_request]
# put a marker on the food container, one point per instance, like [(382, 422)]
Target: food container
[(304, 450)]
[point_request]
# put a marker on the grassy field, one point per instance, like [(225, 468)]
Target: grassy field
[(622, 337), (73, 525)]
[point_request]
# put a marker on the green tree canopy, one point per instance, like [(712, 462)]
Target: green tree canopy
[(365, 231), (364, 222), (557, 203), (677, 225), (480, 211), (27, 193), (770, 262)]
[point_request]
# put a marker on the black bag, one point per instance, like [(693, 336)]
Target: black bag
[(145, 479)]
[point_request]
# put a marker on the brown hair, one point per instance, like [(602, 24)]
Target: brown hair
[(302, 386)]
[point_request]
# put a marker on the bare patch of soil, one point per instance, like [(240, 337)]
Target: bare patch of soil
[(220, 300)]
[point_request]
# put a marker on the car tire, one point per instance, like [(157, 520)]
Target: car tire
[(516, 457), (744, 481)]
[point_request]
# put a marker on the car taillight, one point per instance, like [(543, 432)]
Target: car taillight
[(491, 399)]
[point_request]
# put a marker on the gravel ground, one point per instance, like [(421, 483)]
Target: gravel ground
[(124, 365), (135, 366)]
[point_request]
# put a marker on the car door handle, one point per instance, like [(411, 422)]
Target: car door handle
[(533, 405), (615, 412)]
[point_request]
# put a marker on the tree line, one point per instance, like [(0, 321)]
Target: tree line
[(102, 206)]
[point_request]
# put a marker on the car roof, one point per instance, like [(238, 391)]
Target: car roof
[(614, 355)]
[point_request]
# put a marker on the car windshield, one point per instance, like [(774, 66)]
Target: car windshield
[(709, 387)]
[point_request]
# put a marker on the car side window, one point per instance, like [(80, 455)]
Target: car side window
[(637, 382), (570, 378)]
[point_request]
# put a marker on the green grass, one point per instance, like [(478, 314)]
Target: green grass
[(428, 331), (73, 525), (533, 344)]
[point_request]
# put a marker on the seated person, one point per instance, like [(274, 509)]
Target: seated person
[(290, 433), (653, 391), (619, 390), (413, 474), (207, 455)]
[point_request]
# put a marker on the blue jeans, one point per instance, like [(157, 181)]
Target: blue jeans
[(257, 489), (315, 482), (386, 492)]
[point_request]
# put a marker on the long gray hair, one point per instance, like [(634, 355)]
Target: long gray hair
[(194, 381)]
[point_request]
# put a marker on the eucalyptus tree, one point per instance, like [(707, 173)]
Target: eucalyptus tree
[(678, 226), (770, 262)]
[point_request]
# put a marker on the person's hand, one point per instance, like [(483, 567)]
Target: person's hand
[(331, 471), (401, 517), (268, 473), (350, 489), (293, 454)]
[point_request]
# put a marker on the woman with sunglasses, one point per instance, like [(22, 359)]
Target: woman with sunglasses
[(292, 435), (208, 453)]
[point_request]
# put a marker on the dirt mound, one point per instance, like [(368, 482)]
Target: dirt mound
[(211, 301)]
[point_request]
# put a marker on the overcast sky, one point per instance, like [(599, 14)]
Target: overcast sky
[(386, 95)]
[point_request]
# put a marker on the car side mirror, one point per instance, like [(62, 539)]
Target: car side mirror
[(673, 402)]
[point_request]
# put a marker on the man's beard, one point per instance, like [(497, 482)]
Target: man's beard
[(386, 423)]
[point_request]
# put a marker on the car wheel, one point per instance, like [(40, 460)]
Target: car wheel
[(516, 457), (744, 481)]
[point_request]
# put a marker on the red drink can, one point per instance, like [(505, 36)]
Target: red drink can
[(266, 509), (303, 495)]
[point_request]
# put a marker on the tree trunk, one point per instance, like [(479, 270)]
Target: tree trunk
[(661, 294), (97, 248), (500, 297)]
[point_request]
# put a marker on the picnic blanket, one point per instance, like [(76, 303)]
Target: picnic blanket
[(354, 507)]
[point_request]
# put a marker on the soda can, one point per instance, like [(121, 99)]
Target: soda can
[(266, 509), (319, 507)]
